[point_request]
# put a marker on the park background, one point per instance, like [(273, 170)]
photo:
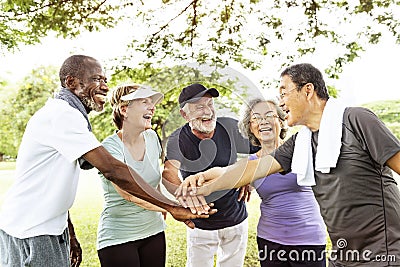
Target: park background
[(238, 46)]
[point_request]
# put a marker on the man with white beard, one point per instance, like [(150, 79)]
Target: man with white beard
[(202, 143)]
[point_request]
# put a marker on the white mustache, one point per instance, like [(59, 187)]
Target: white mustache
[(203, 118)]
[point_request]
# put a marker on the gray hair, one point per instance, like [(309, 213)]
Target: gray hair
[(244, 122), (185, 108), (75, 66), (304, 73)]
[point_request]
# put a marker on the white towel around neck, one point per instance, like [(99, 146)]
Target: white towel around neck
[(328, 148)]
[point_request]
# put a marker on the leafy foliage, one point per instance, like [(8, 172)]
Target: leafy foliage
[(389, 113), (15, 112), (213, 32), (41, 83), (170, 81), (24, 21), (251, 33), (18, 107)]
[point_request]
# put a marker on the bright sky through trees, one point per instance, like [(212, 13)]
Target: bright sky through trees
[(370, 78)]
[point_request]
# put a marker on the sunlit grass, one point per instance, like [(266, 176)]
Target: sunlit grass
[(7, 165), (88, 205), (87, 208)]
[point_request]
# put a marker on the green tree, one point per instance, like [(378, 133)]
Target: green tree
[(253, 32), (5, 90), (42, 82), (389, 113), (31, 95), (23, 21), (217, 32), (170, 81)]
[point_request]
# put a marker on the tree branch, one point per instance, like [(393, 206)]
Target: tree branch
[(153, 36)]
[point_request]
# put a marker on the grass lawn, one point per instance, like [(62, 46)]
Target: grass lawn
[(88, 205), (7, 165), (87, 208)]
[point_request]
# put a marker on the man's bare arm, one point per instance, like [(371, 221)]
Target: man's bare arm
[(130, 181), (138, 201), (394, 163), (75, 251)]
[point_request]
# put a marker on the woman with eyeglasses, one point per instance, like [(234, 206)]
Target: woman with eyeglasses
[(290, 231)]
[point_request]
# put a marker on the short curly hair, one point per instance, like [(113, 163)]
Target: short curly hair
[(244, 122), (74, 66)]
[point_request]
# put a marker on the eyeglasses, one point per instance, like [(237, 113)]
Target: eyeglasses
[(257, 118), (283, 94)]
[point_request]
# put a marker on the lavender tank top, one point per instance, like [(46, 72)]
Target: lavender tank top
[(290, 214)]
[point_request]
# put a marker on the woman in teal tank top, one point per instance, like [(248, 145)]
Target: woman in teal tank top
[(131, 231)]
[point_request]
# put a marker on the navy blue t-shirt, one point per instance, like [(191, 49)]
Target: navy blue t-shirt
[(221, 150)]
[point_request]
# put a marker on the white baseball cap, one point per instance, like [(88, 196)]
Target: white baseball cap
[(144, 92)]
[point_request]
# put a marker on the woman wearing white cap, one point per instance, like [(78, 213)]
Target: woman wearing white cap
[(131, 231)]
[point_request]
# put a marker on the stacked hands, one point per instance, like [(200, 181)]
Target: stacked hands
[(192, 191), (190, 194), (195, 202)]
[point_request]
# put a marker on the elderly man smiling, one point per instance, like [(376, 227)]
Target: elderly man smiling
[(204, 142), (346, 154)]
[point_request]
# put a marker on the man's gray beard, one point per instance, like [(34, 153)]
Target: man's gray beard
[(89, 103), (198, 126)]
